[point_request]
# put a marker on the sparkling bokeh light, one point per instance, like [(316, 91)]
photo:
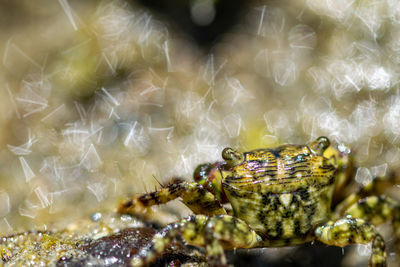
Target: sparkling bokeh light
[(102, 99)]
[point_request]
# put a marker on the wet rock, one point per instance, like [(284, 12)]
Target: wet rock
[(118, 249)]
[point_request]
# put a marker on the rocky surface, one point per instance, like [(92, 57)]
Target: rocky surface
[(113, 241)]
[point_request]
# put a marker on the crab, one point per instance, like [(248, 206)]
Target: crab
[(282, 196)]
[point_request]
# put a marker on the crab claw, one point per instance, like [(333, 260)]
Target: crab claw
[(320, 145)]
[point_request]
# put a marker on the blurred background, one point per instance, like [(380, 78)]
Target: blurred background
[(100, 99)]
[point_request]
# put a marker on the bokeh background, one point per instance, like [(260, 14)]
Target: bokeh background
[(102, 99)]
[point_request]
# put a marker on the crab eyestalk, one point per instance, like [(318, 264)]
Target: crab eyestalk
[(320, 145), (232, 157)]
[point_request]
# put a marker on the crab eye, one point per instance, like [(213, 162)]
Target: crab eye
[(319, 145), (232, 157)]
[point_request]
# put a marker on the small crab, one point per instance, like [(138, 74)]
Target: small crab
[(281, 196)]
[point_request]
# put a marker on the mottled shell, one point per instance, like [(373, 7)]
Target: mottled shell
[(282, 193)]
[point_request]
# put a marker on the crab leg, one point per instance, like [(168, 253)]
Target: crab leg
[(193, 195), (191, 229), (349, 231), (377, 210), (215, 233), (227, 232), (376, 186)]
